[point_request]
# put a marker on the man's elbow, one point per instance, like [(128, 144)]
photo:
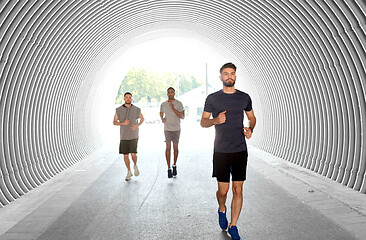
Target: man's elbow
[(202, 123), (253, 119)]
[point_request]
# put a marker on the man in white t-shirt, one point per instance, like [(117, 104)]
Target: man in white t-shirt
[(171, 112)]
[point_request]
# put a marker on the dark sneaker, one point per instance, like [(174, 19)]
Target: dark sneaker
[(170, 175), (233, 231), (222, 219), (174, 171)]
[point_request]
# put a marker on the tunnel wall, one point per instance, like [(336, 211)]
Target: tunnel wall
[(306, 60)]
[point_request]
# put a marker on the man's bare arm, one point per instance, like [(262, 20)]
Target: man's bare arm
[(116, 122), (179, 114), (206, 121), (162, 117), (141, 119), (134, 127), (252, 121)]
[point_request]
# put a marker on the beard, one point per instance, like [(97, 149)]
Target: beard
[(226, 84)]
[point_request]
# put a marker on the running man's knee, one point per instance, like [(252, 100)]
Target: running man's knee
[(175, 146), (221, 193), (222, 189), (168, 146), (237, 189)]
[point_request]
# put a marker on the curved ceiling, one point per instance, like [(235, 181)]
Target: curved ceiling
[(306, 60)]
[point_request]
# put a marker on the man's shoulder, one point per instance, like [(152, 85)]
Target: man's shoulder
[(214, 94), (135, 107), (179, 102), (163, 106), (242, 94), (164, 103)]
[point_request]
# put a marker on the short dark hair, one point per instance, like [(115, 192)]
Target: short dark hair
[(170, 88), (228, 65), (127, 93)]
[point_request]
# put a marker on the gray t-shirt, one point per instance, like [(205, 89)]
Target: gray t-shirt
[(132, 113), (172, 122)]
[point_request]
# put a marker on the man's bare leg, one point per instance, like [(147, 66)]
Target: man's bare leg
[(167, 153), (127, 161), (237, 202), (221, 194), (134, 158), (176, 151), (135, 168)]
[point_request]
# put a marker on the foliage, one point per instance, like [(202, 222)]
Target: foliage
[(152, 86)]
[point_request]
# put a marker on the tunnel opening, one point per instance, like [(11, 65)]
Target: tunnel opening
[(166, 51)]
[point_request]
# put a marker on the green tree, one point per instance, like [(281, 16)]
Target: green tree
[(131, 84), (146, 87), (187, 82)]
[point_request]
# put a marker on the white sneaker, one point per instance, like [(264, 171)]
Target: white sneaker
[(129, 175), (136, 170)]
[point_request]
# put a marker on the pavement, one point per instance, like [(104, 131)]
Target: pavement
[(92, 200)]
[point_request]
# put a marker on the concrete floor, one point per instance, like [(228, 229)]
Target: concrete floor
[(91, 200)]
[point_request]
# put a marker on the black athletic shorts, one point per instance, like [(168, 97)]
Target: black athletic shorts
[(226, 163), (128, 146)]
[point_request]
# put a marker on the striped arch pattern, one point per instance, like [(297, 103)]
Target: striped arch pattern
[(306, 60)]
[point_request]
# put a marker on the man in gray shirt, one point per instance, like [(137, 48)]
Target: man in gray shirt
[(171, 112), (127, 117)]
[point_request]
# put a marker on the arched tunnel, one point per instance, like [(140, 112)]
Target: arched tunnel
[(305, 62)]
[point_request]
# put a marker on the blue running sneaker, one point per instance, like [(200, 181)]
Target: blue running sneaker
[(170, 175), (233, 231), (222, 219)]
